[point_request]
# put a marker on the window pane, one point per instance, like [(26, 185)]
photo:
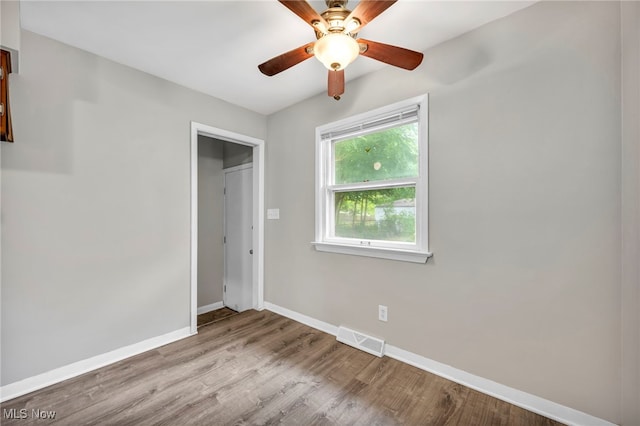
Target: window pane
[(388, 154), (378, 214)]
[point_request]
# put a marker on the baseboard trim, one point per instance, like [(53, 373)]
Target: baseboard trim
[(22, 387), (304, 319), (211, 307), (513, 396)]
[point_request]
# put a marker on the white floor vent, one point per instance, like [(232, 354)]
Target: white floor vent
[(358, 340)]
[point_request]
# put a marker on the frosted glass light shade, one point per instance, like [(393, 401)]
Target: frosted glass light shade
[(336, 50)]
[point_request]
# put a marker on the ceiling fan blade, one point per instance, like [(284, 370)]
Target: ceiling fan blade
[(392, 55), (285, 61), (367, 10), (304, 11), (335, 84)]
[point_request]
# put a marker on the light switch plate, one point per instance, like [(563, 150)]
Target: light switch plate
[(273, 213)]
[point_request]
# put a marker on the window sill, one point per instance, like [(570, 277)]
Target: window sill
[(379, 252)]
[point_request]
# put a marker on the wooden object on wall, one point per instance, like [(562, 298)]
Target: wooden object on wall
[(6, 132)]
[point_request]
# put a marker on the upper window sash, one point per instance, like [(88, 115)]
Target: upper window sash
[(339, 173)]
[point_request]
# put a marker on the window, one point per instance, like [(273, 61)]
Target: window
[(371, 183)]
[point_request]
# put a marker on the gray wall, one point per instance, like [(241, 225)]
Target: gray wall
[(210, 221), (524, 285), (95, 209)]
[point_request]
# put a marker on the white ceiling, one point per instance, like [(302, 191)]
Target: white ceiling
[(215, 46)]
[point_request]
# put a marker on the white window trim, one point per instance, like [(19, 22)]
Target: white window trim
[(418, 252)]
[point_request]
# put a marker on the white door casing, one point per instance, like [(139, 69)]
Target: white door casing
[(258, 213)]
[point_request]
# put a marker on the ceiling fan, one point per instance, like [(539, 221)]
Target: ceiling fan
[(336, 46)]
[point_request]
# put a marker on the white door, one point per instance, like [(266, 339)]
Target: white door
[(238, 250)]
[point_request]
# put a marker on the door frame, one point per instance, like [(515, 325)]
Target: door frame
[(258, 212)]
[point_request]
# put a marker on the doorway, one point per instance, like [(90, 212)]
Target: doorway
[(255, 292)]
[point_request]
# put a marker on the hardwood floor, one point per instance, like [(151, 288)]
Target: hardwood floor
[(259, 368), (214, 316)]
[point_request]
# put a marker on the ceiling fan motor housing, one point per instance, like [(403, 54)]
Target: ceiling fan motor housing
[(335, 16)]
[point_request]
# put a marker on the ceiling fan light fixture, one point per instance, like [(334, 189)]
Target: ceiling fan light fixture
[(352, 25), (320, 27), (336, 50)]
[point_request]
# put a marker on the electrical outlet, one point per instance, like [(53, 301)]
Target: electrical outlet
[(382, 313)]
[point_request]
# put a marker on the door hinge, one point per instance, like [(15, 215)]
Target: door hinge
[(225, 288), (224, 240)]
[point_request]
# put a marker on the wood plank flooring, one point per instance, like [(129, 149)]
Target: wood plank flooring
[(259, 368), (213, 316)]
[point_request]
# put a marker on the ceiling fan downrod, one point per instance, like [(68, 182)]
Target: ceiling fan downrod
[(336, 3)]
